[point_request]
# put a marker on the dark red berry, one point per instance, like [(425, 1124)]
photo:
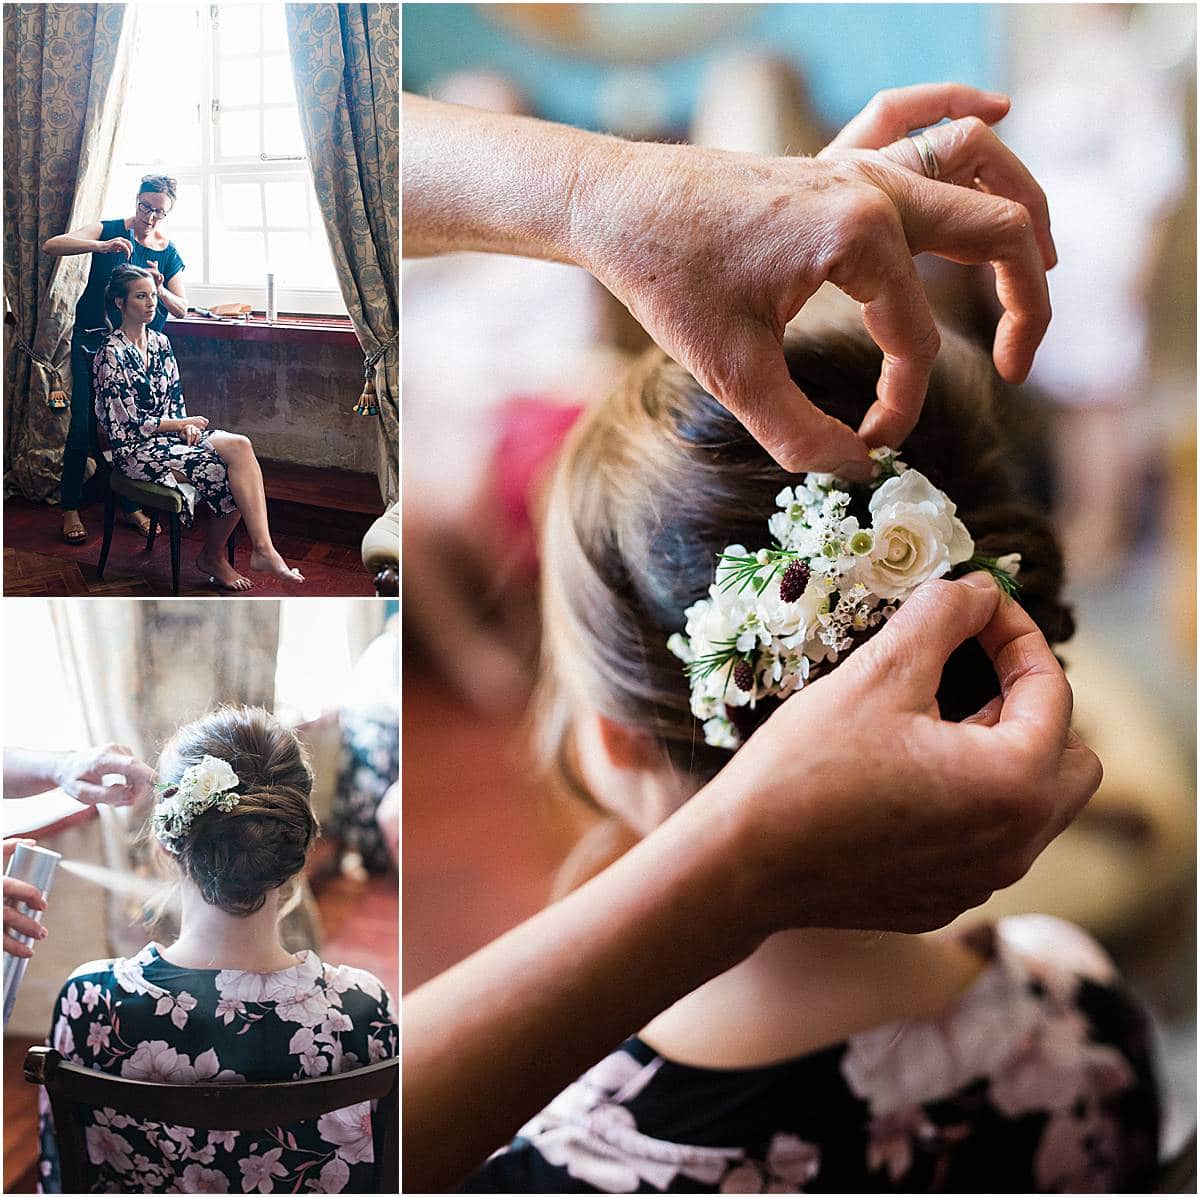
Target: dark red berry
[(743, 676), (795, 579)]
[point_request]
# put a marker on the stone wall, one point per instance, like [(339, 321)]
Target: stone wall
[(293, 401)]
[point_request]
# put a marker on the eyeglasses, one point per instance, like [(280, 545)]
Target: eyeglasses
[(147, 210)]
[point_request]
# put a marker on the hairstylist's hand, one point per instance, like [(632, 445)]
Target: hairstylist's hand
[(115, 245), (81, 774), (14, 921), (889, 817), (715, 252)]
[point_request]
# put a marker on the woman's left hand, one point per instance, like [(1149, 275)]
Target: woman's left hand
[(190, 434)]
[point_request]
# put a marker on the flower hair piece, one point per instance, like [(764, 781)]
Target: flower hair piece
[(201, 787), (777, 618)]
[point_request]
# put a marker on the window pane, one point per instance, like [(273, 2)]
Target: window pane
[(238, 82), (274, 30), (287, 205), (190, 243), (239, 136), (239, 28), (239, 258), (188, 212), (241, 204), (281, 130), (278, 84), (291, 254)]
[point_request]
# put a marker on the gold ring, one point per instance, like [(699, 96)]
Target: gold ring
[(929, 162)]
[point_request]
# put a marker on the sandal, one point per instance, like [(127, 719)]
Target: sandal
[(139, 521), (76, 535)]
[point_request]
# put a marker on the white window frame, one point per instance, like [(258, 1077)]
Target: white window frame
[(211, 171)]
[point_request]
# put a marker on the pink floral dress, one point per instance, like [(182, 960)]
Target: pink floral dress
[(1038, 1079), (146, 1019), (133, 396)]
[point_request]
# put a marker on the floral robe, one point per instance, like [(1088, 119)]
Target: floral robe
[(370, 764), (1037, 1079), (149, 1020), (132, 397)]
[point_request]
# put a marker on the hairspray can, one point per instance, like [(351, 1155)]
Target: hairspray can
[(36, 866), (272, 312)]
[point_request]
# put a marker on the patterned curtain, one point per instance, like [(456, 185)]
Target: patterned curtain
[(141, 669), (65, 71), (346, 60)]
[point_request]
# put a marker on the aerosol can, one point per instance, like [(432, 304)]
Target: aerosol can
[(36, 866)]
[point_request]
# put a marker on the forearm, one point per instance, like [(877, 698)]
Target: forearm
[(65, 245), (175, 304), (170, 426), (488, 1043), (501, 184), (27, 772)]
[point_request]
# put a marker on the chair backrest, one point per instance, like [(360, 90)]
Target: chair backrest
[(241, 1107)]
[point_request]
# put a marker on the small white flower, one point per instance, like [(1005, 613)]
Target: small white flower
[(720, 733), (1010, 563)]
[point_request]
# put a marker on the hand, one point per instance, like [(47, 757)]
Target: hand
[(891, 818), (82, 775), (715, 252), (200, 422), (116, 245), (14, 921), (190, 434), (155, 274)]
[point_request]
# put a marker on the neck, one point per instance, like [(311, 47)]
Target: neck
[(135, 330), (809, 989), (210, 938)]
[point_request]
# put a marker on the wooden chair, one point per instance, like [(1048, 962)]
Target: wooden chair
[(159, 502), (248, 1107)]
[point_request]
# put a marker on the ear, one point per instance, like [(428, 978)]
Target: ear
[(626, 747)]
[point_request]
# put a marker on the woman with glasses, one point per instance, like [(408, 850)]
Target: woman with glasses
[(136, 239)]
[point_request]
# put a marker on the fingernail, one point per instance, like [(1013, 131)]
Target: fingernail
[(42, 933), (980, 580), (998, 96)]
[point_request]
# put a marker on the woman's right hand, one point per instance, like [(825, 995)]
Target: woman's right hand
[(16, 923), (115, 245)]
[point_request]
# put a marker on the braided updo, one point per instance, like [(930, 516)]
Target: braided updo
[(654, 482), (236, 857)]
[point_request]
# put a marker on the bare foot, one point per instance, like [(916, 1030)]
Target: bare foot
[(270, 562), (73, 531), (222, 574)]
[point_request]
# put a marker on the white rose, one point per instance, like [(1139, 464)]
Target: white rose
[(211, 776), (917, 537)]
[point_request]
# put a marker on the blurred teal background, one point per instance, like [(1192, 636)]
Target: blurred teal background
[(846, 52)]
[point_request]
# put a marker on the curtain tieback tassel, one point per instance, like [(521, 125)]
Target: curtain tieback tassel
[(57, 397), (368, 401), (367, 404)]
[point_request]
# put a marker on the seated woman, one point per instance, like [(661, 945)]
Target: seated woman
[(225, 1002), (139, 403), (1006, 1059)]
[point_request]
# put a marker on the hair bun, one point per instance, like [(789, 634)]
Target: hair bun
[(236, 857)]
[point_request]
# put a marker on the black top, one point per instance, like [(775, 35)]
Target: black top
[(1038, 1079), (89, 311)]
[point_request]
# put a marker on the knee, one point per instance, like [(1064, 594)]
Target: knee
[(232, 445)]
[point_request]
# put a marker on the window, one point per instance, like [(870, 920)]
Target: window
[(212, 103), (41, 707)]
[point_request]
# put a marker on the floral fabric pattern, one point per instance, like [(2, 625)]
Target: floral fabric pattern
[(1038, 1079), (132, 398), (148, 1020), (370, 764)]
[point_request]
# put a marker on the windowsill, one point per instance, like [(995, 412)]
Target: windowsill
[(44, 814), (284, 330)]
